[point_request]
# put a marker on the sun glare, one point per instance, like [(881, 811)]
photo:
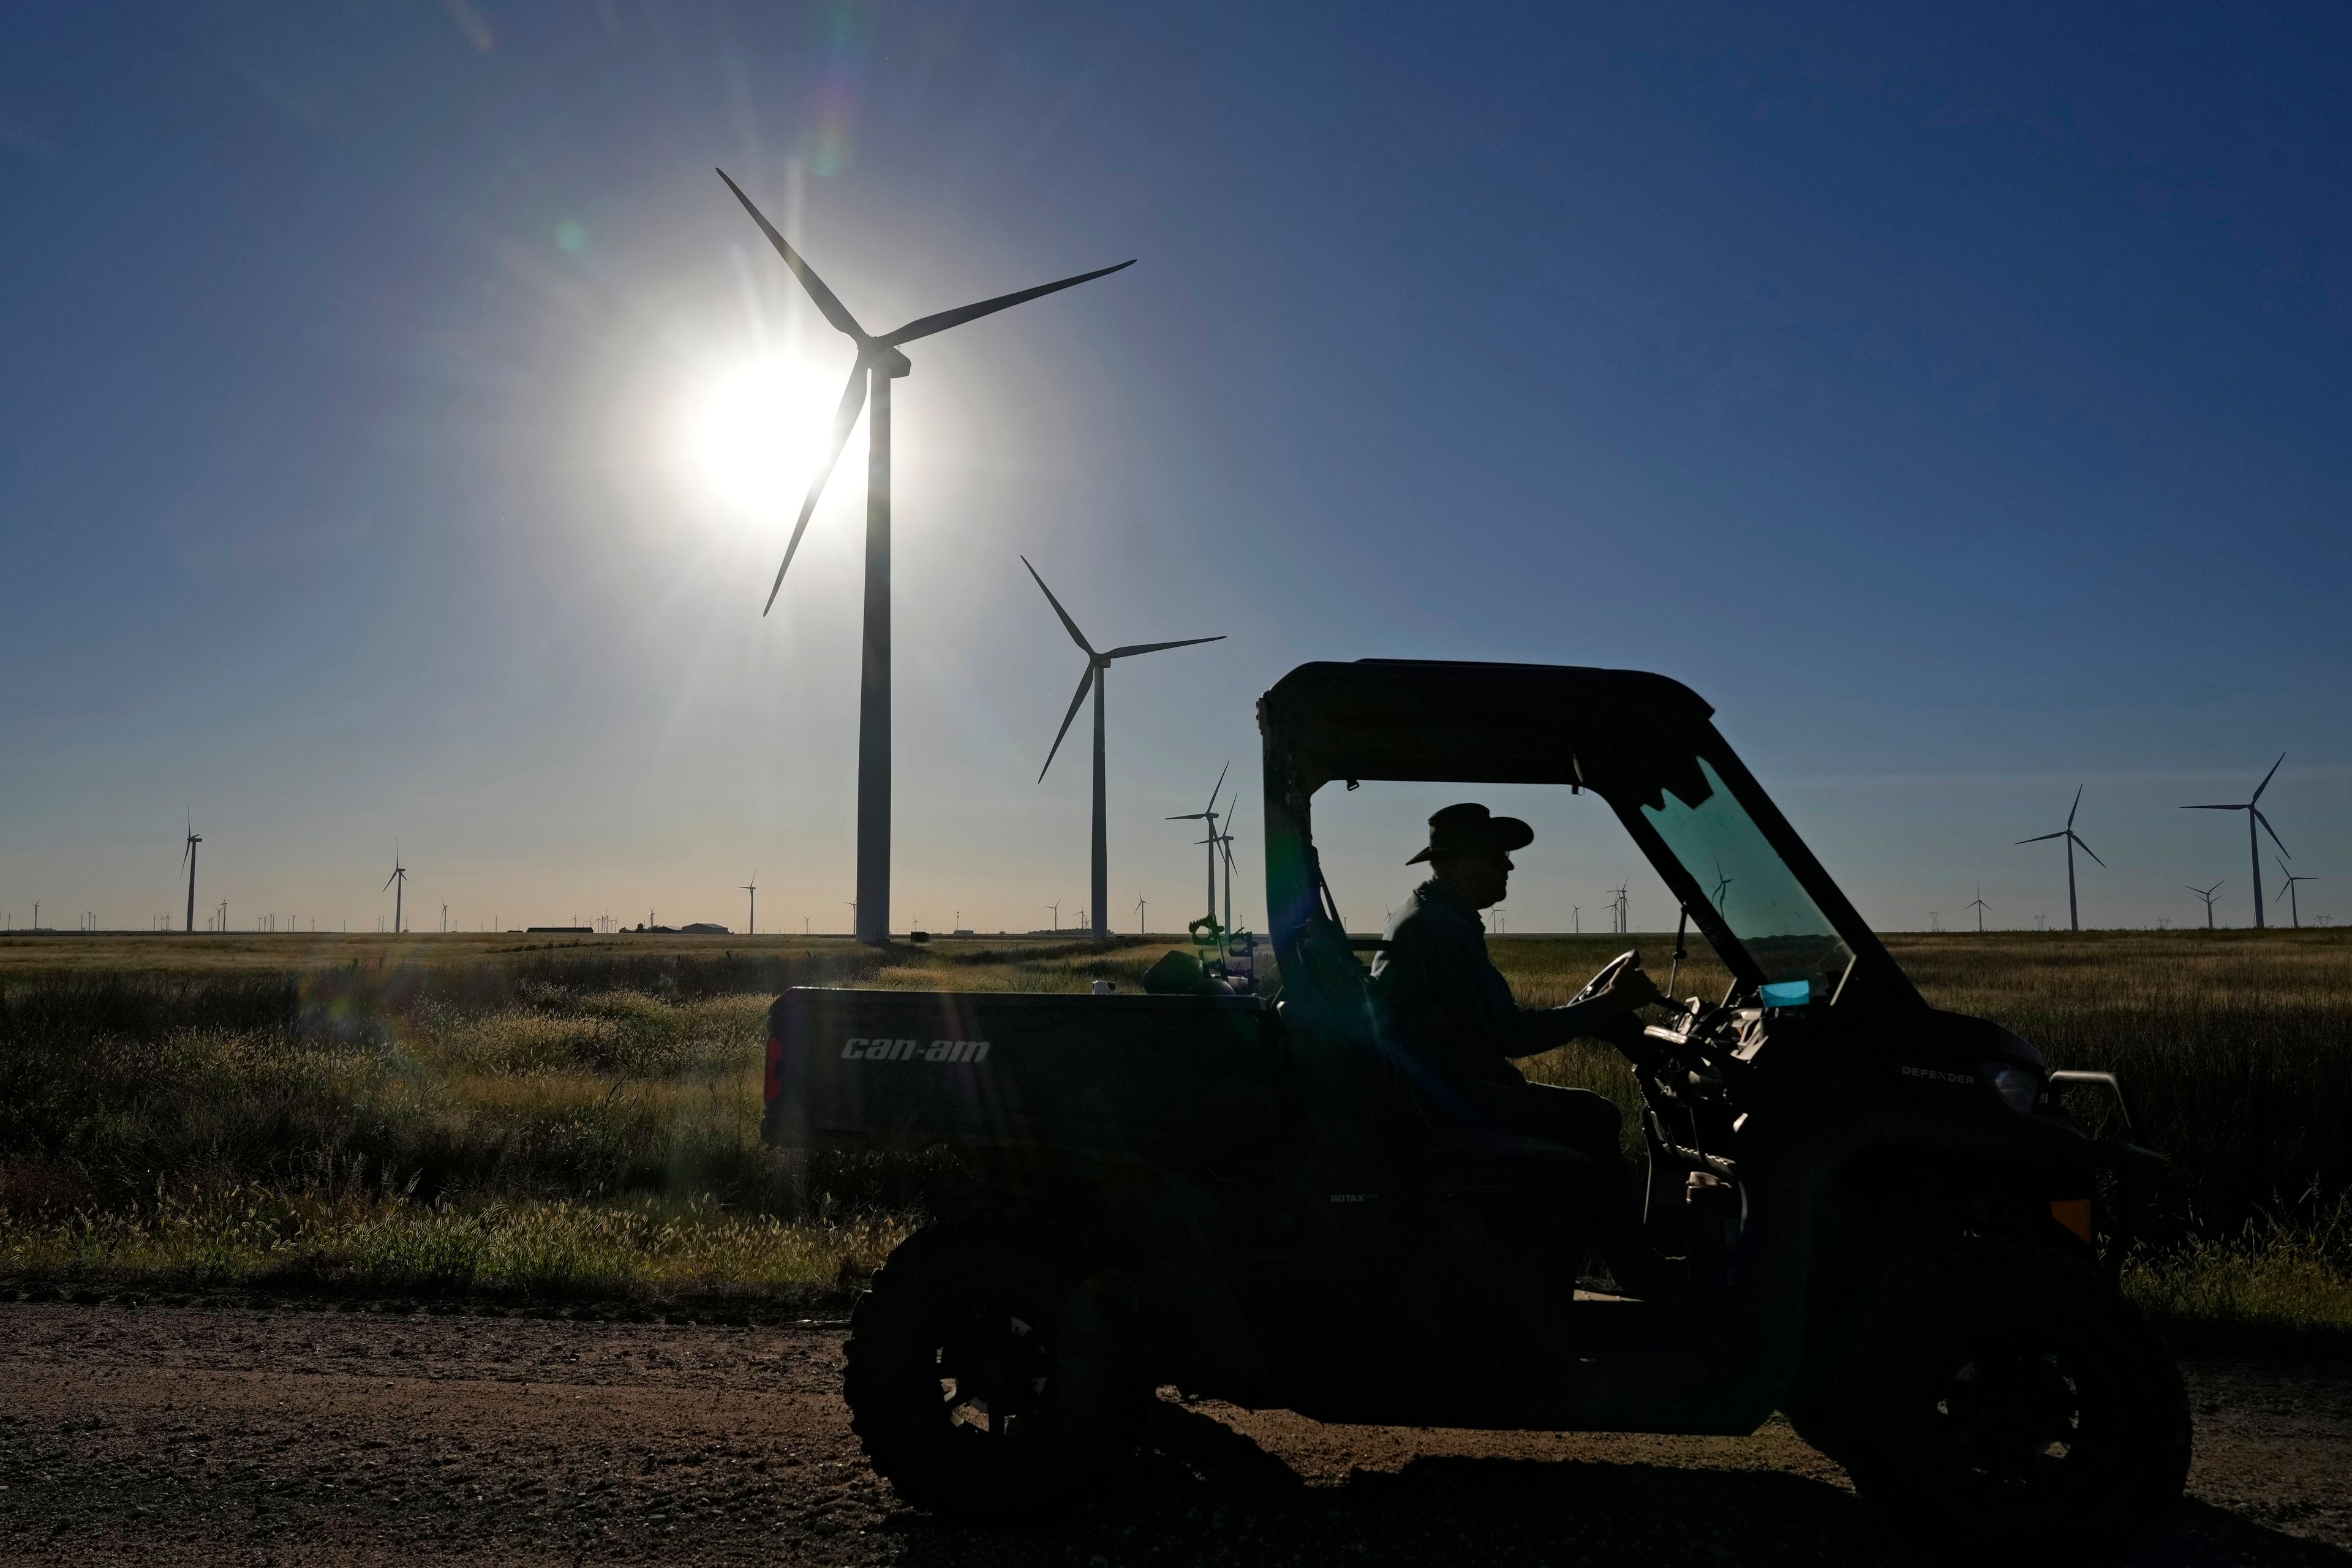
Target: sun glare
[(752, 434)]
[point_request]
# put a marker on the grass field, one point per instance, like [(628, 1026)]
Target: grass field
[(577, 1116)]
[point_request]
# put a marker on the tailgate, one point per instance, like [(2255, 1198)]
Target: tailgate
[(907, 1069)]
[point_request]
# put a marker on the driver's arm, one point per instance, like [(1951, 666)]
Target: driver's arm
[(1595, 1018)]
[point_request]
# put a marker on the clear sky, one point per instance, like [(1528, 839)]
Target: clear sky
[(399, 425)]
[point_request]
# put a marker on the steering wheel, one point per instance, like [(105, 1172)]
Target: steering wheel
[(1607, 976)]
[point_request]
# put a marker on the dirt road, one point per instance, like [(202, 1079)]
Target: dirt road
[(293, 1435)]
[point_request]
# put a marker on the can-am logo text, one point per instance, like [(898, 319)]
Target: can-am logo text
[(859, 1049)]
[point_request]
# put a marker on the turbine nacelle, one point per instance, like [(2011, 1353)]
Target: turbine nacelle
[(875, 355)]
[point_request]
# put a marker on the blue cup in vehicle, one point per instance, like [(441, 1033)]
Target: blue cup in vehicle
[(1786, 993)]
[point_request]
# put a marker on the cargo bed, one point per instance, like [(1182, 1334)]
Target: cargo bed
[(910, 1070)]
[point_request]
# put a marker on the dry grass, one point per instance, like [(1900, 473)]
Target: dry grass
[(581, 1115)]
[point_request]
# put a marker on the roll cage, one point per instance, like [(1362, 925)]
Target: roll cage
[(1628, 736)]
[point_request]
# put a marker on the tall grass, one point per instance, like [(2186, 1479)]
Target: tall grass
[(575, 1118)]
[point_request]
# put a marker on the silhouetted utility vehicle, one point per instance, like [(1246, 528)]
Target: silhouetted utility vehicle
[(1888, 1221)]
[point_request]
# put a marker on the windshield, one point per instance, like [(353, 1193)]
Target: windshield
[(1784, 931)]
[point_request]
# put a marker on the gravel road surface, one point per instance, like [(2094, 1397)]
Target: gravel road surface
[(300, 1433)]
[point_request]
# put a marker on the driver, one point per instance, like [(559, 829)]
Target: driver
[(1439, 997)]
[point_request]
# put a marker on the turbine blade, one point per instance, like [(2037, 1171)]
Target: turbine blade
[(2085, 848), (924, 326), (1076, 702), (1076, 635), (1187, 816), (2272, 832), (834, 310), (844, 419), (2266, 779), (2040, 836), (1133, 648), (2239, 806), (1218, 785), (387, 881), (2075, 807)]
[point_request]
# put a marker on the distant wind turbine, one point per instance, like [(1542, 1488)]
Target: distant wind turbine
[(1223, 840), (398, 882), (1139, 906), (2295, 908), (2254, 845), (1722, 886), (2073, 920), (752, 922), (2206, 894), (187, 855), (1978, 905), (879, 363), (1097, 664), (1209, 817), (1221, 844)]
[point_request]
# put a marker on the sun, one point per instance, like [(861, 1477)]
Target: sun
[(752, 433)]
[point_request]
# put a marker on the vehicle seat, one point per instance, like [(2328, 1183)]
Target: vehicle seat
[(1504, 1172)]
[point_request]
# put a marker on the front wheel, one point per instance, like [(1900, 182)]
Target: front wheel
[(986, 1378), (2005, 1395)]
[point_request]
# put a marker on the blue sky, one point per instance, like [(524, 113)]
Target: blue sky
[(1957, 399)]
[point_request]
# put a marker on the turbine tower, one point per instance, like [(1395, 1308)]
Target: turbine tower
[(1209, 817), (2206, 894), (1222, 844), (2073, 920), (2295, 908), (1097, 664), (752, 922), (1978, 905), (2254, 845), (187, 855), (879, 363), (400, 877), (1225, 848)]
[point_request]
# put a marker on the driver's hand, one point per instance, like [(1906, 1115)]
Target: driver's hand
[(1634, 989)]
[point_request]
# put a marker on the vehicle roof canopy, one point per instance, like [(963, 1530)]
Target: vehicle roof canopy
[(1485, 723)]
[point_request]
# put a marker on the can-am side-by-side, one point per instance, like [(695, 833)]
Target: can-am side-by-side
[(1886, 1220)]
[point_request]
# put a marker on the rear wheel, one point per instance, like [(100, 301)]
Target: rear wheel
[(986, 1378), (2005, 1395)]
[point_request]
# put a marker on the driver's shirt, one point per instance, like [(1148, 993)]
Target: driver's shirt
[(1436, 993)]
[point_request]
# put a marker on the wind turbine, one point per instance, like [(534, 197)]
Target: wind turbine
[(399, 875), (187, 855), (1225, 848), (2073, 921), (1978, 905), (1209, 817), (1221, 844), (752, 924), (2253, 845), (879, 363), (2294, 910), (1722, 886), (2206, 894), (1097, 664), (1139, 906)]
